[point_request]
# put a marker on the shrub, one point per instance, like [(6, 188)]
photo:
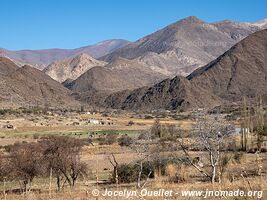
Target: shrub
[(125, 140), (128, 173), (146, 135), (238, 156), (101, 140), (109, 139), (156, 129), (177, 173), (36, 136), (130, 123), (149, 117)]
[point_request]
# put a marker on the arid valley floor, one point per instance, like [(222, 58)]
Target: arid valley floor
[(244, 170)]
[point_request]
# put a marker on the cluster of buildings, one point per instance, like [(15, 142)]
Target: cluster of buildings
[(100, 122)]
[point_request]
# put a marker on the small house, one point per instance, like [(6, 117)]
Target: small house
[(94, 121)]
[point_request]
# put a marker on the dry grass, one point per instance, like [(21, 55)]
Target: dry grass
[(83, 192), (179, 178), (239, 175), (27, 127)]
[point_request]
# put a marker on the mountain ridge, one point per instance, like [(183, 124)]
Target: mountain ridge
[(41, 58), (27, 86), (185, 45), (240, 71), (120, 74)]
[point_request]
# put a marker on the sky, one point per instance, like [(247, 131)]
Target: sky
[(42, 24)]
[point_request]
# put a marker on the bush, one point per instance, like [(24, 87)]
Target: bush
[(156, 128), (125, 140), (101, 141), (7, 111), (146, 135), (177, 173), (238, 156), (128, 173), (149, 117), (130, 123), (111, 138), (36, 136), (161, 164)]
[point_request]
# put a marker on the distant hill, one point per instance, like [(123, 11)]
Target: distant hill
[(185, 45), (28, 86), (41, 58), (118, 75), (241, 71), (71, 68)]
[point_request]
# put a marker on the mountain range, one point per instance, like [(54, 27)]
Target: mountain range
[(163, 70), (177, 49), (41, 58), (241, 71), (185, 45)]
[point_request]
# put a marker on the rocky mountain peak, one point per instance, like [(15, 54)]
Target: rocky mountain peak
[(83, 58), (192, 20), (72, 68)]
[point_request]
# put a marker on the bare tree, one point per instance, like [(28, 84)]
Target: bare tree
[(52, 154), (245, 124), (212, 131), (259, 123), (143, 150), (63, 156), (26, 163), (156, 129), (191, 160), (115, 165), (5, 169)]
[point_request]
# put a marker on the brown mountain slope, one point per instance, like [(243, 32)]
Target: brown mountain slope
[(185, 45), (6, 66), (71, 68), (29, 86), (118, 75), (176, 93), (241, 71), (98, 82), (100, 79)]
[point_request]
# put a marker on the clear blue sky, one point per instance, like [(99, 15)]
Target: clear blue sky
[(39, 24)]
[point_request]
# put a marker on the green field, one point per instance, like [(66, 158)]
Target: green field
[(78, 133)]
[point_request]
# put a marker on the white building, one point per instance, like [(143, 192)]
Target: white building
[(94, 121)]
